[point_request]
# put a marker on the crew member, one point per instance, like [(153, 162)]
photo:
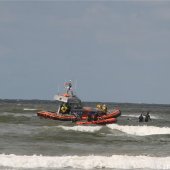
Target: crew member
[(65, 108), (78, 115), (91, 116), (68, 86), (104, 109), (99, 107)]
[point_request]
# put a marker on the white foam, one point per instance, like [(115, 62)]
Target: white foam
[(17, 114), (82, 128), (85, 162), (141, 130), (29, 109)]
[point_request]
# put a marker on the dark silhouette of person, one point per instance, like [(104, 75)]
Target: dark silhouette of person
[(147, 117), (141, 118)]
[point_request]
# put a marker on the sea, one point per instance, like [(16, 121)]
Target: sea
[(28, 142)]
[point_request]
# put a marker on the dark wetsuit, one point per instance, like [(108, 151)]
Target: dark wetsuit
[(147, 118), (141, 118)]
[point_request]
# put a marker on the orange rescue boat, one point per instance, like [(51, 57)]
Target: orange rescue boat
[(57, 116), (71, 109)]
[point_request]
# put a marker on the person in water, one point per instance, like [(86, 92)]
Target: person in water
[(147, 117), (141, 118)]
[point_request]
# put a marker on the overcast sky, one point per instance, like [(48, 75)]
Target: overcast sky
[(113, 51)]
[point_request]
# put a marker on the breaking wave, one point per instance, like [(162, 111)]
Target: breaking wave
[(85, 162), (82, 128), (29, 109), (17, 129), (141, 130), (17, 114)]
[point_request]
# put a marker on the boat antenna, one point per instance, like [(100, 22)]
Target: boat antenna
[(58, 89), (75, 85)]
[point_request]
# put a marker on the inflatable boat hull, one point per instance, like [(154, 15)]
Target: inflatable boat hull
[(98, 122), (55, 116)]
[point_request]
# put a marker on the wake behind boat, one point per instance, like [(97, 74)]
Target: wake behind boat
[(72, 109)]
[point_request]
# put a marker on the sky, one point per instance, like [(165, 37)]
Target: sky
[(113, 51)]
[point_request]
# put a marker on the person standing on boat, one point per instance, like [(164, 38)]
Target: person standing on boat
[(77, 114), (99, 107), (68, 85), (104, 109), (65, 108)]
